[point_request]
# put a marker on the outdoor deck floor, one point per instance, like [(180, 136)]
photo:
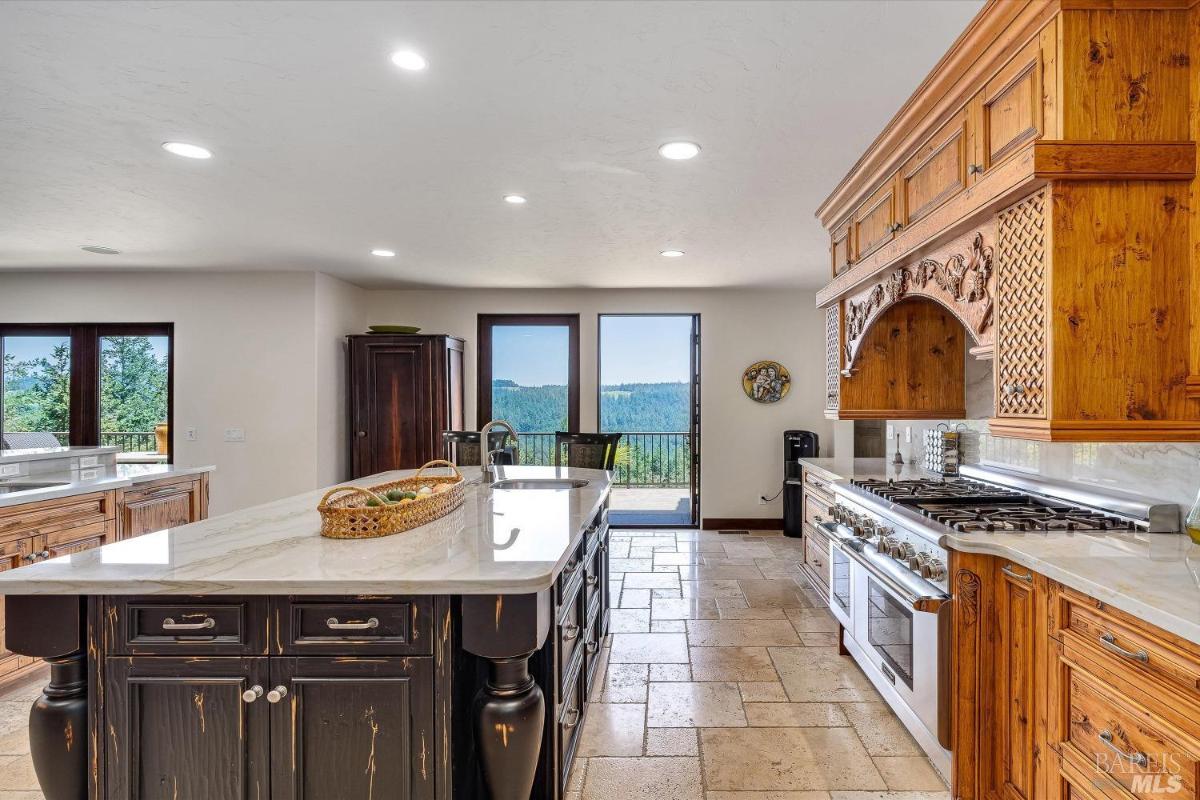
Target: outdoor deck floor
[(643, 505)]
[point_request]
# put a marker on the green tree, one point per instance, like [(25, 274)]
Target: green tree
[(133, 384)]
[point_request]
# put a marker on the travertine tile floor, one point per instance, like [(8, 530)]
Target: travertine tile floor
[(722, 682)]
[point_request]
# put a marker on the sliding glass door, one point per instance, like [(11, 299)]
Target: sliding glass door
[(649, 392), (529, 376)]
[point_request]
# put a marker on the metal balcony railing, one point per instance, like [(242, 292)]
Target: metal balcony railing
[(127, 441), (643, 458)]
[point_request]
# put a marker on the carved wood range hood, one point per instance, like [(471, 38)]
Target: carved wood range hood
[(1035, 202)]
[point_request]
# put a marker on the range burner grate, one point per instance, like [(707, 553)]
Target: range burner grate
[(1030, 517), (958, 490)]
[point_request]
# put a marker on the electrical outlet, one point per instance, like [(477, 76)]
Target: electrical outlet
[(190, 434), (762, 501), (235, 435), (891, 432), (908, 434), (9, 470)]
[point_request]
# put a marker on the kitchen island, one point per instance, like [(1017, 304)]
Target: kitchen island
[(247, 656)]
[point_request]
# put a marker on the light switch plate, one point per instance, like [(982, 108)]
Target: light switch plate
[(89, 474), (189, 434), (235, 435), (908, 434), (891, 432)]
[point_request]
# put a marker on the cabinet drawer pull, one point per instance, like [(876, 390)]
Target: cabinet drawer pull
[(592, 646), (570, 568), (1010, 572), (1110, 643), (276, 694), (573, 714), (817, 563), (974, 169), (163, 492), (592, 580), (252, 694), (1137, 759), (169, 624), (43, 554), (570, 632), (333, 625)]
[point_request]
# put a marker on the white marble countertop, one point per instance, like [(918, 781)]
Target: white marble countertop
[(93, 479), (1154, 576), (499, 541)]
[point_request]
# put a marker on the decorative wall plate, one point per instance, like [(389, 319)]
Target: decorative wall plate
[(766, 381)]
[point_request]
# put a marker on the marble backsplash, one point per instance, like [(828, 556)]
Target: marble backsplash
[(1167, 471)]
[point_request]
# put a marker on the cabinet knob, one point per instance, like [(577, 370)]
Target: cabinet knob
[(974, 169), (360, 434), (252, 694), (44, 554), (277, 694)]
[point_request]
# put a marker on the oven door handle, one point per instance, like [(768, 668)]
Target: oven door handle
[(928, 603)]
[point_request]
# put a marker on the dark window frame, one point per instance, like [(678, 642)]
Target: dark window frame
[(84, 413), (483, 394)]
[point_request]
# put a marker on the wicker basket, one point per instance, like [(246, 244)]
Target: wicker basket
[(346, 515)]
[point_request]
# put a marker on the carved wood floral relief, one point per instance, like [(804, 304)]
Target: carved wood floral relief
[(960, 276)]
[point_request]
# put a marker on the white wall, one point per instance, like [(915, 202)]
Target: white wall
[(245, 356), (741, 441), (338, 310)]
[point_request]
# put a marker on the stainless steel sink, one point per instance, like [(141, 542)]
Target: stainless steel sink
[(28, 486), (540, 483)]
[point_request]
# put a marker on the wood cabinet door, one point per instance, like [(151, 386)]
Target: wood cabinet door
[(937, 171), (1019, 594), (875, 221), (1021, 373), (159, 508), (392, 404), (1012, 110), (352, 727), (181, 728), (839, 248)]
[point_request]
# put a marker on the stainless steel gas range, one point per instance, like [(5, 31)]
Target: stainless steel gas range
[(890, 586)]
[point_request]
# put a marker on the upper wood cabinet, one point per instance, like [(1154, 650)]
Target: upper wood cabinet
[(874, 222), (1059, 137), (936, 171)]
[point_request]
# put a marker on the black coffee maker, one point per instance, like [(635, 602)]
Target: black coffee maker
[(796, 445)]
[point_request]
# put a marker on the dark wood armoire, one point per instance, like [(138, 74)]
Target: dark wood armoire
[(404, 391)]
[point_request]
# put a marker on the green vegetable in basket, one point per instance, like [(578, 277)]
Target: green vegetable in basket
[(395, 495), (373, 503)]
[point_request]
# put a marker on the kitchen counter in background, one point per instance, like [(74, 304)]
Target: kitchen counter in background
[(1153, 576), (97, 479)]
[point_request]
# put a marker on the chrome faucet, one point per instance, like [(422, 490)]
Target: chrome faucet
[(487, 467)]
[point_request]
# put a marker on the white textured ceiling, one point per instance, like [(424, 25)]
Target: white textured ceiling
[(324, 150)]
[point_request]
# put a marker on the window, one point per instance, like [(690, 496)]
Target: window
[(529, 376), (88, 385)]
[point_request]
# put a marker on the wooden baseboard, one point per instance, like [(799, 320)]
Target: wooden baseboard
[(742, 524)]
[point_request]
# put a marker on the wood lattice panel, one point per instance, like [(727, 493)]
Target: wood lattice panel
[(832, 356), (1021, 309)]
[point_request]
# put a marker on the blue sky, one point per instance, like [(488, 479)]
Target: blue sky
[(633, 350)]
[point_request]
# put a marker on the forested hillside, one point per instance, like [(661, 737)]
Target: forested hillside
[(649, 407)]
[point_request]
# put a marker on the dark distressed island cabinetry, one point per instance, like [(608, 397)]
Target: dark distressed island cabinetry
[(247, 658)]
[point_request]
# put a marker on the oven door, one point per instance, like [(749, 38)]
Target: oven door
[(841, 585), (901, 626)]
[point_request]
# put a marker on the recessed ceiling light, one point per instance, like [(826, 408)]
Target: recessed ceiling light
[(671, 253), (383, 253), (187, 150), (515, 199), (409, 60), (104, 251), (679, 151)]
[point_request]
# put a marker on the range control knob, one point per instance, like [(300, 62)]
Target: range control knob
[(917, 561), (933, 569), (904, 551), (886, 544)]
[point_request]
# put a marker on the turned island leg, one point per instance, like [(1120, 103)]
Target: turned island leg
[(510, 709), (510, 715), (52, 629), (58, 730)]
